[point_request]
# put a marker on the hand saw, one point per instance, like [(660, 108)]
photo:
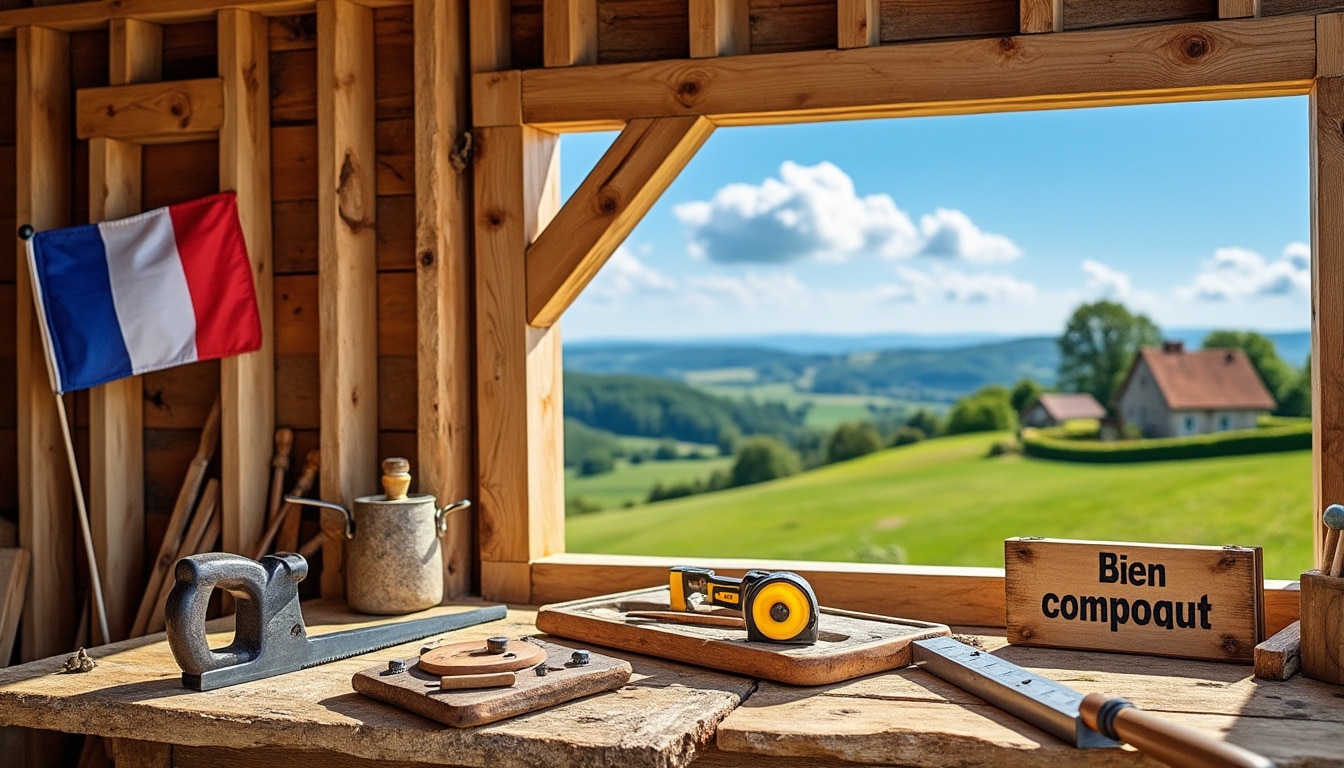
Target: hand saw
[(270, 638)]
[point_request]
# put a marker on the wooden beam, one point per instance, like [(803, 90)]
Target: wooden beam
[(491, 48), (116, 409), (858, 23), (1037, 16), (444, 349), (621, 188), (497, 98), (1327, 299), (518, 392), (46, 520), (1238, 9), (569, 32), (247, 382), (347, 267), (84, 17), (1330, 45), (1132, 65), (719, 28), (151, 113)]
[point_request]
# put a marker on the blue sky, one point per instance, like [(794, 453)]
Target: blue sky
[(1196, 214)]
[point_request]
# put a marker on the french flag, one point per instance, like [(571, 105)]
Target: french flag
[(167, 287)]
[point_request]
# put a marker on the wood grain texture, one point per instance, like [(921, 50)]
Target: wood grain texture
[(14, 566), (1327, 295), (1238, 9), (859, 23), (1322, 627), (642, 30), (151, 113), (1285, 7), (247, 382), (1221, 59), (497, 98), (88, 16), (569, 32), (622, 187), (661, 719), (719, 28), (1279, 657), (1037, 16), (934, 19), (1088, 14), (778, 26), (489, 38), (43, 196), (132, 753), (1330, 45), (443, 315)]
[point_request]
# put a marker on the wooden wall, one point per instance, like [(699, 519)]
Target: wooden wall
[(9, 462)]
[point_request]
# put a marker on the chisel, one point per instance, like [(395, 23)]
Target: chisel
[(1095, 720)]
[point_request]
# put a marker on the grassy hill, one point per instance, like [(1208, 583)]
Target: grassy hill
[(942, 502), (630, 483)]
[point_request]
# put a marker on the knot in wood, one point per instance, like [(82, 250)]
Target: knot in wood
[(1194, 47), (608, 204), (494, 218), (1231, 647), (689, 91), (427, 259), (1007, 45)]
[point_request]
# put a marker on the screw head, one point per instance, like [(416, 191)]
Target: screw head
[(498, 644), (541, 670), (580, 658), (396, 666)]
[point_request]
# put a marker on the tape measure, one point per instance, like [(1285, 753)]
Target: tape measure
[(777, 606)]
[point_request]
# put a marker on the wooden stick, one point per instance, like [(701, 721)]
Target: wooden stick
[(1279, 657), (288, 538), (177, 522), (284, 443), (1328, 551), (85, 533), (13, 582), (311, 546), (195, 540), (1337, 564), (289, 511)]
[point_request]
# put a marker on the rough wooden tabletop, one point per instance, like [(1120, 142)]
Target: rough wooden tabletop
[(909, 717), (662, 718)]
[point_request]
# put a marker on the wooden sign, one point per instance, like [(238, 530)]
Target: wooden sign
[(1160, 599)]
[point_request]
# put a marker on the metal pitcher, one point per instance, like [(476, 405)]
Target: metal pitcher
[(394, 563)]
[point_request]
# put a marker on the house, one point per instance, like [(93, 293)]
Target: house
[(1170, 392), (1054, 408)]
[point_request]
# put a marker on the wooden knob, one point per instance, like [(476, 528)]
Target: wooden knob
[(284, 443), (396, 478)]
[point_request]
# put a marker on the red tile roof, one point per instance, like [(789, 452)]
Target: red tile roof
[(1210, 379), (1063, 407)]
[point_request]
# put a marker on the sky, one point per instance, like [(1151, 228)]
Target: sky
[(1194, 214)]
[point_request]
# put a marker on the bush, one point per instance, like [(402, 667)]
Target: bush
[(666, 451), (1235, 443), (988, 410), (578, 505), (596, 465), (925, 421), (852, 440), (1003, 448), (761, 459), (908, 436)]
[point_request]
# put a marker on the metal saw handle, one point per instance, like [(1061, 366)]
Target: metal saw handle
[(265, 593), (1161, 740)]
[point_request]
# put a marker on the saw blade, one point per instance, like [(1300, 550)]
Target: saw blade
[(355, 642)]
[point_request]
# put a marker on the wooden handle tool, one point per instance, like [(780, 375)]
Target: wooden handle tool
[(1332, 563), (1164, 741), (284, 529), (284, 443)]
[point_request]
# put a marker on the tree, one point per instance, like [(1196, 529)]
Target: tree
[(1279, 377), (1098, 345), (852, 440), (925, 421), (1296, 399), (987, 410), (1025, 393), (761, 459)]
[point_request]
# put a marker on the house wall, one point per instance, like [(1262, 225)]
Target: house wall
[(1207, 422), (1036, 416), (1142, 405)]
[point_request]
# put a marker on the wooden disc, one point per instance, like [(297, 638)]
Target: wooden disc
[(472, 658)]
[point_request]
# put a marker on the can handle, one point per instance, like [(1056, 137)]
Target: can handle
[(349, 519), (441, 516)]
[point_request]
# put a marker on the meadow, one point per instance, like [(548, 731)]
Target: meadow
[(944, 502), (630, 483)]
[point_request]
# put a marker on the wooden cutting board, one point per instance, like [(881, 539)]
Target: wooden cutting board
[(851, 644), (418, 691)]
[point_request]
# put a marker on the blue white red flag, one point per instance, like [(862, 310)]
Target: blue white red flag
[(167, 287)]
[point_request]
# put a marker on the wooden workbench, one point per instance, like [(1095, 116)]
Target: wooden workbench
[(667, 716)]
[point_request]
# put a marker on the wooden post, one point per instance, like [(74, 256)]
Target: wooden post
[(1037, 16), (569, 32), (46, 523), (116, 444), (347, 268), (1238, 9), (1327, 294), (490, 45), (445, 353), (858, 23), (247, 382), (719, 28)]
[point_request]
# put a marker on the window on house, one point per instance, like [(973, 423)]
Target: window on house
[(1189, 425)]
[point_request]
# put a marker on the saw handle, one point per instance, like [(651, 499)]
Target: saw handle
[(1161, 740), (262, 590)]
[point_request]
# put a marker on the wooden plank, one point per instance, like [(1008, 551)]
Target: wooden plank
[(859, 23), (247, 382), (569, 32), (132, 753), (347, 264), (719, 28), (443, 289), (165, 183), (1089, 14), (151, 113), (1330, 45), (190, 50), (289, 33), (1222, 59), (13, 583), (75, 17), (1238, 9), (46, 524), (294, 163), (1327, 291), (1285, 7), (778, 26), (180, 397), (1280, 656), (394, 143), (621, 188), (497, 98), (904, 20), (525, 33), (1036, 16), (642, 30), (116, 409), (489, 36)]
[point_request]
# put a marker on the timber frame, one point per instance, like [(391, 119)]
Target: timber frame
[(497, 259)]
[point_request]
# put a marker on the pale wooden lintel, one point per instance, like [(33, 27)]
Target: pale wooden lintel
[(569, 32), (621, 188), (151, 113), (719, 28), (858, 23)]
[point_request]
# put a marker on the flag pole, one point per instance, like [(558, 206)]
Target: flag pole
[(95, 582)]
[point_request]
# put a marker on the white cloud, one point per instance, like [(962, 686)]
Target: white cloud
[(752, 289), (1239, 273), (951, 234), (1105, 281), (955, 286), (813, 212), (625, 275)]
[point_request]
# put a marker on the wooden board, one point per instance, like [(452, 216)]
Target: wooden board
[(417, 690), (852, 644), (13, 582), (1279, 657), (1159, 599)]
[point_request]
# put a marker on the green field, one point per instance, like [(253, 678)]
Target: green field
[(631, 482), (827, 410), (942, 502)]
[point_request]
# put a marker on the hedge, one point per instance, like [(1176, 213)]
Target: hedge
[(1267, 440)]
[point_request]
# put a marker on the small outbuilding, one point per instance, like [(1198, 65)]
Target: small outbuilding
[(1170, 392), (1054, 408)]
